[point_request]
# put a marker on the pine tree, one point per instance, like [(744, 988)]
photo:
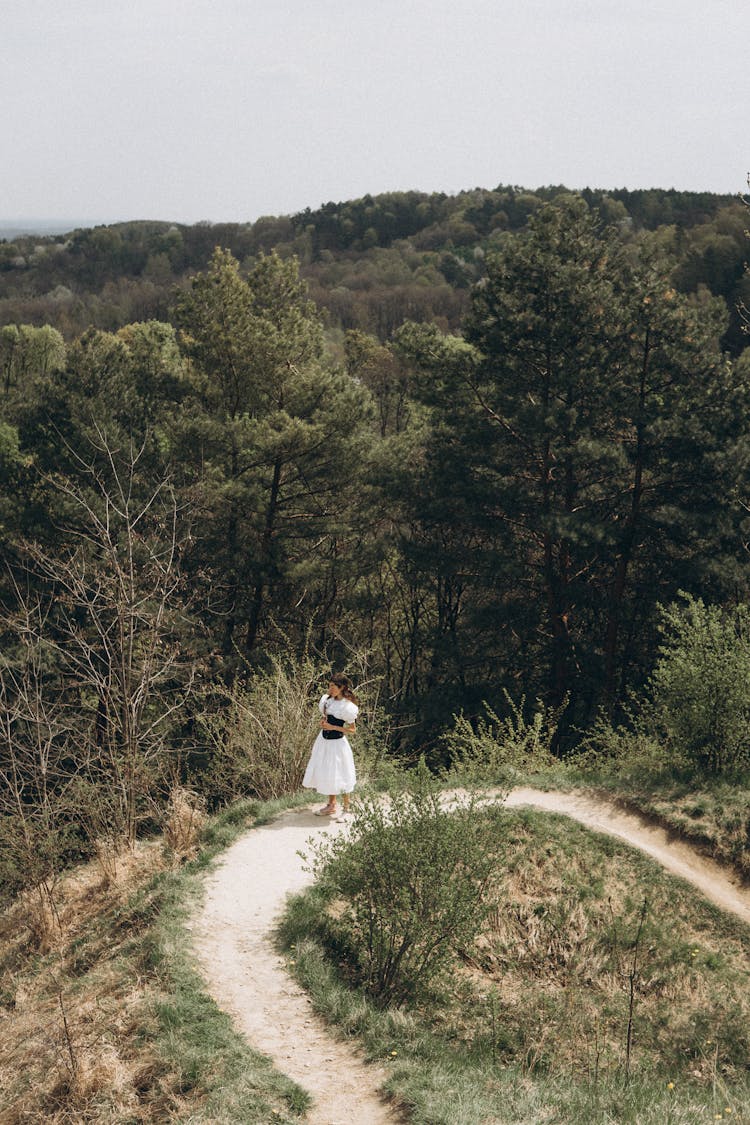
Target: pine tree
[(585, 419), (272, 434)]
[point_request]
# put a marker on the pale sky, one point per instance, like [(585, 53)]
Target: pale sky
[(227, 110)]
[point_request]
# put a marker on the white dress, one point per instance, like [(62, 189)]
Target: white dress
[(331, 766)]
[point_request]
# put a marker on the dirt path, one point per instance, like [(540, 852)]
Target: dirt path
[(715, 882), (246, 894), (247, 978)]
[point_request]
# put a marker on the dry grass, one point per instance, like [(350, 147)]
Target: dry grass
[(73, 1003), (37, 909), (184, 822), (550, 976), (108, 1020), (716, 818), (712, 812)]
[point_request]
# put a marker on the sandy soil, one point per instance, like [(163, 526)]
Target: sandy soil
[(247, 978), (246, 894)]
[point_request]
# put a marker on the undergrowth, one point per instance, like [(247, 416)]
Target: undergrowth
[(601, 989), (108, 1020)]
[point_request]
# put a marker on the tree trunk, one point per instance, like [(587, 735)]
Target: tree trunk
[(261, 586), (627, 541)]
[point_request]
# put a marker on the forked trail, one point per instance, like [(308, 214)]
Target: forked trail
[(246, 894)]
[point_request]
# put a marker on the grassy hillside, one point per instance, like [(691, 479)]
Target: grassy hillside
[(599, 990), (104, 1017)]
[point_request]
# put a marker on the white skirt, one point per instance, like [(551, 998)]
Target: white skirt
[(331, 766)]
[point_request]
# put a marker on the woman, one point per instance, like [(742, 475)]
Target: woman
[(331, 766)]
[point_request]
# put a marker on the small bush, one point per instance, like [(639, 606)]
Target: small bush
[(489, 749), (183, 823), (34, 850), (620, 750), (411, 875), (261, 738), (701, 685)]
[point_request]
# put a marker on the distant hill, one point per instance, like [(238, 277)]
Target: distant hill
[(19, 228), (369, 263)]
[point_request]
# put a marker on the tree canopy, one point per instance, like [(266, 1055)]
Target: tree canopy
[(481, 437)]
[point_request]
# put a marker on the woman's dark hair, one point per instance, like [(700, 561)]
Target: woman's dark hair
[(342, 681)]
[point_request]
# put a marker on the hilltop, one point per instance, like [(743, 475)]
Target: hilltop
[(370, 263)]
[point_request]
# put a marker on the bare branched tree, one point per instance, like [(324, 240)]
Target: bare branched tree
[(39, 732), (113, 627)]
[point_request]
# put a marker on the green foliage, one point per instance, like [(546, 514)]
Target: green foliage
[(411, 874), (110, 276), (585, 434), (701, 684), (628, 749), (481, 508), (261, 732), (268, 438), (371, 221), (489, 749), (27, 354)]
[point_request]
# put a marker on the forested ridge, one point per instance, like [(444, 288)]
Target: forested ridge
[(465, 446), (370, 263)]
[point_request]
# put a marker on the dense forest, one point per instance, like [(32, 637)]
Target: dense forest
[(470, 443), (369, 263)]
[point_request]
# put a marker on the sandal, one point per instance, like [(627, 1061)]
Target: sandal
[(327, 810)]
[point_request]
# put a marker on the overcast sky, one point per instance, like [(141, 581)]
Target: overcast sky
[(232, 109)]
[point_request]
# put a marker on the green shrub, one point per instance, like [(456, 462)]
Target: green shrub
[(411, 876), (620, 750), (700, 688), (488, 749), (261, 737)]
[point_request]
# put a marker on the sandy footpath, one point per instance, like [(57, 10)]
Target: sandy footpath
[(245, 896), (715, 882), (246, 977)]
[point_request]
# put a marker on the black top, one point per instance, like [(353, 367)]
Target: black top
[(337, 723)]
